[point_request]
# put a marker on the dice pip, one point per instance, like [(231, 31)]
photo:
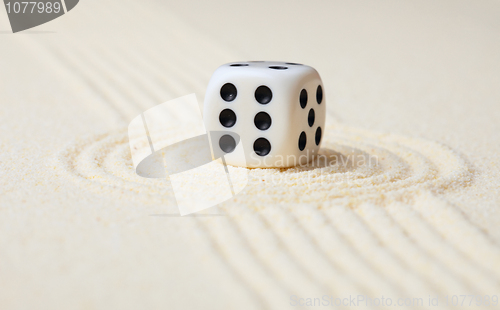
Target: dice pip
[(276, 108)]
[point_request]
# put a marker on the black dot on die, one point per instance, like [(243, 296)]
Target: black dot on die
[(278, 67), (293, 63), (262, 147), (227, 118), (302, 141), (238, 65), (263, 94), (227, 143), (319, 94), (318, 136), (228, 92), (303, 98), (262, 121), (310, 118)]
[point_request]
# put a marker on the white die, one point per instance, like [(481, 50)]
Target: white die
[(276, 108)]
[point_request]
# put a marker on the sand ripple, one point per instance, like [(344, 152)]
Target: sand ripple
[(353, 163)]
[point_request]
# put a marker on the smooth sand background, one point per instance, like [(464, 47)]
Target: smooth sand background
[(414, 83)]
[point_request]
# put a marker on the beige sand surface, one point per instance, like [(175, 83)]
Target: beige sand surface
[(413, 84)]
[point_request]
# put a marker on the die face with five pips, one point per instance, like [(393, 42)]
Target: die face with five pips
[(276, 108)]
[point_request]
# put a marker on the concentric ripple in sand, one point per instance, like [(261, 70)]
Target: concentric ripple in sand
[(353, 163)]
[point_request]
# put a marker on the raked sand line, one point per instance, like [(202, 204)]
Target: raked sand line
[(428, 238), (393, 237), (467, 238), (400, 166)]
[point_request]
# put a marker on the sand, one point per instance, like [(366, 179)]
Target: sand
[(411, 85)]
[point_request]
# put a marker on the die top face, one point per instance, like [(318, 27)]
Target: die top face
[(283, 70), (276, 107)]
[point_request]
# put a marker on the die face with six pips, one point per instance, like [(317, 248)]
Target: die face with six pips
[(276, 108)]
